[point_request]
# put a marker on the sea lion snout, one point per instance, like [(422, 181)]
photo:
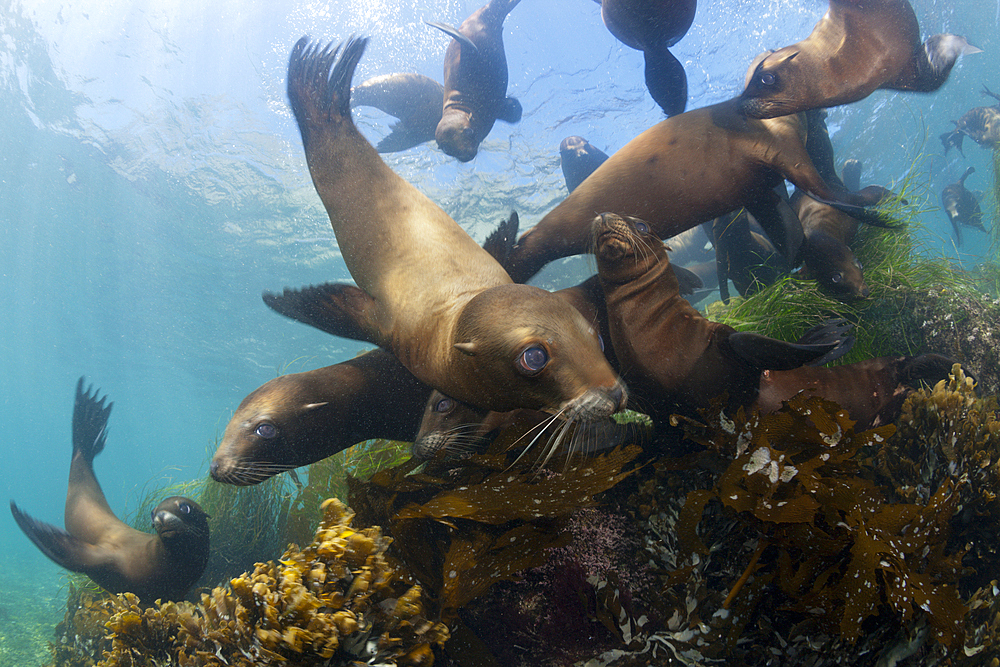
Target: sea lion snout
[(597, 403)]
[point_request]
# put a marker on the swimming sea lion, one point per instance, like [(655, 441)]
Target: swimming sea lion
[(857, 47), (673, 358), (981, 124), (425, 290), (688, 169), (579, 159), (300, 418), (475, 81), (961, 206), (744, 255), (871, 391), (116, 556), (414, 99), (651, 27)]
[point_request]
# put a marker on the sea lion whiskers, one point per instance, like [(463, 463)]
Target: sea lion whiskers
[(247, 472), (541, 427)]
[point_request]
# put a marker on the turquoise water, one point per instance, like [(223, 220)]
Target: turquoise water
[(152, 184)]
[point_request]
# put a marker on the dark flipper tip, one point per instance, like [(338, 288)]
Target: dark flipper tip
[(90, 421)]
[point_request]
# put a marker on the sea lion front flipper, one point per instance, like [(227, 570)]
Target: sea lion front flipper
[(868, 216), (336, 308), (835, 331), (61, 547), (90, 422), (400, 138), (953, 138), (934, 62), (501, 241), (968, 172), (781, 224), (666, 80), (510, 111), (463, 41), (772, 354), (688, 281)]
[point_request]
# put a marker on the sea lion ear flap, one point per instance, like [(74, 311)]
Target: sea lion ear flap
[(462, 40), (313, 406), (791, 56), (469, 348)]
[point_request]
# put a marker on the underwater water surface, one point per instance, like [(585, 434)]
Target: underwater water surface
[(153, 184)]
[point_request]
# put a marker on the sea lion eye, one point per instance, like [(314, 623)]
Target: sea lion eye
[(266, 430), (184, 508), (444, 405), (837, 277), (767, 78), (641, 227), (532, 360)]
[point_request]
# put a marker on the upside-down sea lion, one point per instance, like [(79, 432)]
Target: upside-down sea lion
[(744, 255), (651, 27), (871, 391), (961, 206), (414, 99), (685, 170), (475, 81), (579, 159), (116, 556), (425, 290), (981, 124), (857, 47), (674, 358), (300, 418)]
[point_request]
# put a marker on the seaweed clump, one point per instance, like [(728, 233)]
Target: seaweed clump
[(339, 600)]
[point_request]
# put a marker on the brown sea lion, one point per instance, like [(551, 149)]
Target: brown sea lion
[(651, 26), (425, 290), (688, 169), (871, 391), (981, 124), (475, 81), (857, 47), (827, 257), (674, 358), (414, 99), (300, 418), (961, 206), (579, 159), (116, 556)]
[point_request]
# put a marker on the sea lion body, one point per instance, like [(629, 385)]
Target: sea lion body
[(685, 170), (579, 158), (425, 290), (475, 81), (871, 391), (300, 418), (651, 27), (855, 49), (961, 206), (116, 556), (414, 99)]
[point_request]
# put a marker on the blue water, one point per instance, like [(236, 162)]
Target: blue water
[(152, 184)]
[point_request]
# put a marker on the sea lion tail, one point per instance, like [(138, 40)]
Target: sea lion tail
[(319, 83), (64, 549), (90, 422)]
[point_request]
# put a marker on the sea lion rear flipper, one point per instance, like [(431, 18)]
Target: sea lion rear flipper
[(772, 354), (990, 93), (90, 422), (510, 111), (666, 80), (688, 281), (835, 331), (953, 138), (852, 175), (64, 549), (336, 308), (462, 40), (781, 224), (863, 214), (501, 241)]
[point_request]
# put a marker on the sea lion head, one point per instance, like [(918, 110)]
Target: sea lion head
[(449, 428), (539, 350), (625, 248), (456, 136), (774, 85), (180, 520), (270, 432), (834, 266)]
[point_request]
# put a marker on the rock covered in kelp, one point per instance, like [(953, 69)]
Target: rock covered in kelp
[(338, 601)]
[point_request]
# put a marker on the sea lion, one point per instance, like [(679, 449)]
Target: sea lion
[(651, 27), (871, 391), (425, 290), (674, 359), (827, 257), (414, 99), (981, 124), (857, 47), (116, 556), (685, 170), (300, 418), (961, 206), (475, 81), (579, 159), (744, 255)]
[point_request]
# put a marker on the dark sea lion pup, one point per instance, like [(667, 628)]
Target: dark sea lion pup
[(961, 206), (116, 556), (475, 81), (414, 99), (981, 124), (425, 289), (651, 26), (857, 47), (300, 418)]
